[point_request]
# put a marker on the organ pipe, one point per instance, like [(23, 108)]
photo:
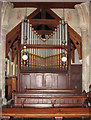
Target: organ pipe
[(22, 25), (58, 37)]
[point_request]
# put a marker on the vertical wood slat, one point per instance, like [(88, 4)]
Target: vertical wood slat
[(69, 61), (19, 60)]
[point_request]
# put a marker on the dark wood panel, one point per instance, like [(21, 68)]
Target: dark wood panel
[(52, 80), (10, 85), (43, 80), (63, 80), (76, 77), (25, 81)]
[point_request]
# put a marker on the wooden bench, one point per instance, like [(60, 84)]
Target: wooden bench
[(45, 112), (51, 91), (43, 99)]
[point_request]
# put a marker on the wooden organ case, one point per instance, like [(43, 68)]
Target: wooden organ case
[(44, 69)]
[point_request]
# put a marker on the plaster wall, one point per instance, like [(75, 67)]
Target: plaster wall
[(16, 15), (71, 16)]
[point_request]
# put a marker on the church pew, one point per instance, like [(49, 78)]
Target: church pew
[(48, 100), (45, 112), (52, 91)]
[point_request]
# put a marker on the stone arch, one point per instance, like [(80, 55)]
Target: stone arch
[(83, 13), (6, 8)]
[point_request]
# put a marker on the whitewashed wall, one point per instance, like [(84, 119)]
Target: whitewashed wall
[(16, 15), (70, 15)]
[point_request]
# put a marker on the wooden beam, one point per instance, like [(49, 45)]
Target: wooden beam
[(43, 16), (44, 32), (76, 38), (74, 33), (14, 50), (52, 27), (46, 4), (54, 15), (77, 45), (72, 52), (9, 44), (33, 14), (13, 32), (41, 46), (44, 22)]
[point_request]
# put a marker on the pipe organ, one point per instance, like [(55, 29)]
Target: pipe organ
[(44, 54)]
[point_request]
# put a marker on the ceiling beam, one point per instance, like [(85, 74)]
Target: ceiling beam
[(43, 16), (44, 22), (72, 52), (33, 14), (77, 44), (9, 43), (53, 15), (74, 33), (46, 4)]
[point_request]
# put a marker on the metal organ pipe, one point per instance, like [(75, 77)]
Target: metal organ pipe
[(62, 30), (28, 29), (25, 31), (58, 37), (66, 35), (30, 40), (22, 25)]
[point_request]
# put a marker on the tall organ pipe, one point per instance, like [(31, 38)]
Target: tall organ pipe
[(28, 29), (62, 30), (66, 35), (22, 25)]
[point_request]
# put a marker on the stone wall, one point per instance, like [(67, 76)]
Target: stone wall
[(90, 39)]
